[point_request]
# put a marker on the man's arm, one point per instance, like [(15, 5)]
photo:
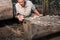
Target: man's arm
[(37, 13), (19, 16), (35, 10)]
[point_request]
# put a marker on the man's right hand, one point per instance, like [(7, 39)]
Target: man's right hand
[(20, 17)]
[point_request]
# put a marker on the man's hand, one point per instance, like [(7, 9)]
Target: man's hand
[(20, 17), (40, 15), (37, 13)]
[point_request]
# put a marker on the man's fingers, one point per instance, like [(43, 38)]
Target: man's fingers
[(20, 17), (41, 15)]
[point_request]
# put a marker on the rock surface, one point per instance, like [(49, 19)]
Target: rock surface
[(38, 27), (6, 9), (41, 26)]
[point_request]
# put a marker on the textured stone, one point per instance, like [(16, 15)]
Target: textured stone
[(41, 26), (6, 9)]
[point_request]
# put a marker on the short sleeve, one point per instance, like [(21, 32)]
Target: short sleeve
[(33, 6)]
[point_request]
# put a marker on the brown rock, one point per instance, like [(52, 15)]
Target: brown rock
[(6, 11)]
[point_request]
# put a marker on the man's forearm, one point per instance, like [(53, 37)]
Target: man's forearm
[(36, 12)]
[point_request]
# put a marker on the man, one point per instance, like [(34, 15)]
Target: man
[(24, 8)]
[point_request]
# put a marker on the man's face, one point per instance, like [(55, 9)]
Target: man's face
[(21, 2)]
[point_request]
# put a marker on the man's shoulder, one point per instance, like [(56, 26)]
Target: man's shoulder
[(29, 2), (16, 4)]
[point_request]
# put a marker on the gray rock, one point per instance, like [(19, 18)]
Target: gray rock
[(41, 26), (6, 9)]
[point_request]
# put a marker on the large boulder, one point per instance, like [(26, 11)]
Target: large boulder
[(6, 9), (41, 26)]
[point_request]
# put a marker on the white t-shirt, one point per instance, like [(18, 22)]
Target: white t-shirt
[(25, 10)]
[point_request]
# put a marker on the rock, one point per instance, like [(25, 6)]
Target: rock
[(9, 33), (6, 10), (32, 28), (42, 26)]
